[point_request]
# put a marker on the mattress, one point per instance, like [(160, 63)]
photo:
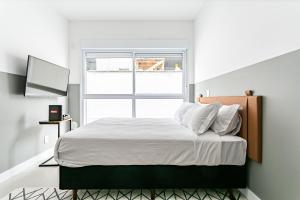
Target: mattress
[(146, 141)]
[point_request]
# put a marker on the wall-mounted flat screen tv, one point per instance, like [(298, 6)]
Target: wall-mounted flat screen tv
[(45, 79)]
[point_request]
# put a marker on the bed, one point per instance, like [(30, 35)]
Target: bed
[(158, 153)]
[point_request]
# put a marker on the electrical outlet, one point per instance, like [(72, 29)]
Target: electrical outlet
[(46, 139)]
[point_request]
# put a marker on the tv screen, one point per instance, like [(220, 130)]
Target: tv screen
[(45, 78)]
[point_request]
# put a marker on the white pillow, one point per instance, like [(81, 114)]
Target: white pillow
[(187, 117), (185, 106), (201, 117), (237, 128), (227, 119)]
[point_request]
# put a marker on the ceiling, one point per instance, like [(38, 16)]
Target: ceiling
[(122, 9)]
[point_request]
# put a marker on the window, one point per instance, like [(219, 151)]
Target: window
[(97, 108), (132, 83), (109, 73), (158, 73), (149, 107)]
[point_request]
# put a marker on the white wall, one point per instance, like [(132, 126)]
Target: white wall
[(127, 34), (27, 28), (234, 34), (30, 29)]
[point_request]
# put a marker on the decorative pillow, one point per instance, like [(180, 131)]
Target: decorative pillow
[(227, 119), (201, 117), (185, 106)]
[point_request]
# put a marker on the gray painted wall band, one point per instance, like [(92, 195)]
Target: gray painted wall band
[(21, 137), (74, 102), (192, 92), (278, 80)]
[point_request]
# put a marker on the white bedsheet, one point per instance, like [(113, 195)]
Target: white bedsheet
[(147, 141)]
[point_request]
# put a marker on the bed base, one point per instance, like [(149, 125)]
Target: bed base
[(151, 177)]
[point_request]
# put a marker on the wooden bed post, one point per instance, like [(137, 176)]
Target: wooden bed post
[(74, 194), (152, 191)]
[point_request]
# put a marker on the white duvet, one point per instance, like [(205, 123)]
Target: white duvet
[(146, 141)]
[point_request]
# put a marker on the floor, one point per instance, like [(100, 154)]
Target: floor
[(47, 177), (35, 177)]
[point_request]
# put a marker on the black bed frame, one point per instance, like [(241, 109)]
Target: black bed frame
[(151, 177)]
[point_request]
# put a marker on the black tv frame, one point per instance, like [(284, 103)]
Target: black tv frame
[(48, 89)]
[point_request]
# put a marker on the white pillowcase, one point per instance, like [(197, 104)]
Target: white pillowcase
[(185, 106), (237, 128), (201, 117), (227, 119), (187, 117)]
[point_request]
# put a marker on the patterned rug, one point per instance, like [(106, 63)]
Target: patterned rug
[(169, 194)]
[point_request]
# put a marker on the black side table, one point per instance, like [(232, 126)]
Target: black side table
[(58, 135)]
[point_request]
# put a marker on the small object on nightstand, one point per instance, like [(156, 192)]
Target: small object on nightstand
[(66, 116), (55, 112)]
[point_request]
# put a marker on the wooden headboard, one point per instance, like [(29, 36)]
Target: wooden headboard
[(251, 112)]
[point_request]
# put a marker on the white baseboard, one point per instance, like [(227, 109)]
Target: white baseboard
[(32, 162), (249, 194)]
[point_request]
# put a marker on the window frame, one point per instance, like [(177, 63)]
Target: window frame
[(133, 96)]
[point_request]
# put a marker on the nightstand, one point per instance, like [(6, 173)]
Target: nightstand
[(58, 123)]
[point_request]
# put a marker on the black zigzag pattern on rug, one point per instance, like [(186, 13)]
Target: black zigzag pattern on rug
[(121, 194)]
